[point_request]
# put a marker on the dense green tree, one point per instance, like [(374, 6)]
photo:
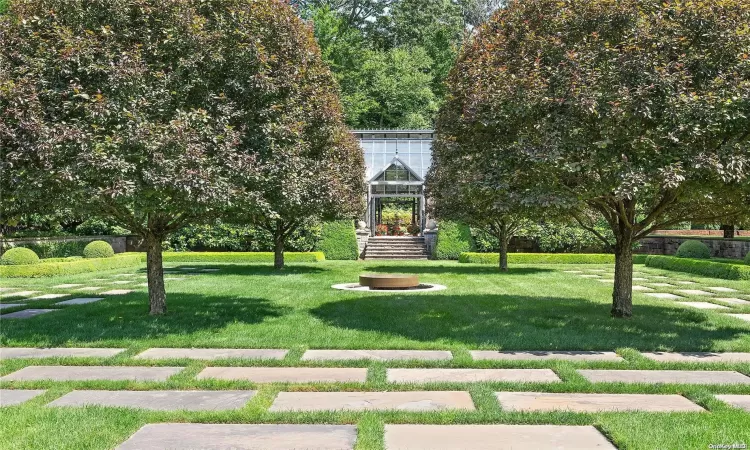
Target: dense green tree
[(638, 110)]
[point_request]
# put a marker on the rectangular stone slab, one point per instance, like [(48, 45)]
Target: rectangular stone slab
[(85, 373), (665, 295), (285, 374), (543, 401), (48, 296), (211, 353), (494, 437), (728, 357), (694, 292), (733, 301), (722, 289), (745, 317), (377, 355), (23, 352), (740, 401), (471, 375), (117, 292), (27, 313), (368, 401), (10, 397), (481, 355), (241, 437), (80, 301), (159, 400), (16, 305), (703, 305), (641, 288), (665, 376), (90, 288), (20, 294), (66, 286)]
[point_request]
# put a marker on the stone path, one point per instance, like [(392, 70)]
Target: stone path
[(542, 401), (9, 397), (285, 374), (90, 288), (123, 282), (80, 301), (471, 375), (159, 400), (368, 401), (745, 317), (66, 286), (20, 294), (48, 296), (211, 353), (27, 313), (10, 305), (728, 357), (117, 292), (694, 292), (86, 373), (239, 437), (664, 295), (733, 301), (22, 352), (703, 305), (641, 288), (494, 437), (740, 401), (722, 289), (662, 284), (491, 355), (377, 355), (665, 376)]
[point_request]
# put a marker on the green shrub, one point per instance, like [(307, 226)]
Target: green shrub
[(99, 227), (53, 249), (545, 258), (65, 259), (241, 257), (98, 249), (747, 258), (452, 239), (239, 238), (339, 240), (702, 267), (19, 256), (693, 249), (550, 238), (49, 269)]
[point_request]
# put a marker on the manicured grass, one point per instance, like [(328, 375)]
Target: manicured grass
[(529, 308)]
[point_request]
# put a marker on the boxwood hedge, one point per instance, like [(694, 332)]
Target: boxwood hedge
[(72, 267), (542, 258), (241, 257), (339, 240), (452, 239), (727, 271)]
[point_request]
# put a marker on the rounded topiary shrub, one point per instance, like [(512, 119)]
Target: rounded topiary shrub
[(98, 249), (18, 256), (694, 249)]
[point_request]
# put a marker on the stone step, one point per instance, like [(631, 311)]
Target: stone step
[(665, 376), (377, 355), (396, 249), (491, 355), (495, 437), (211, 353), (543, 401), (285, 374), (471, 375), (231, 436), (392, 256), (158, 400), (87, 373), (21, 352), (368, 401), (706, 357), (9, 397)]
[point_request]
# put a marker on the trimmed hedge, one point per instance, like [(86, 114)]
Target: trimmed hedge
[(747, 258), (339, 240), (545, 258), (19, 256), (56, 249), (98, 249), (693, 249), (49, 269), (700, 267), (240, 257), (452, 239)]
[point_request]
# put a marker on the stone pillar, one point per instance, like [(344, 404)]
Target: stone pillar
[(430, 236), (363, 234)]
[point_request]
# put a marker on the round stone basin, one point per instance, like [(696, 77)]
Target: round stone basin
[(389, 281)]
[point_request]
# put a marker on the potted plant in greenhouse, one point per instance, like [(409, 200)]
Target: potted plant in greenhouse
[(381, 230)]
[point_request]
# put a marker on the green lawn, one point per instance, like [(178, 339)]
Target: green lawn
[(251, 306)]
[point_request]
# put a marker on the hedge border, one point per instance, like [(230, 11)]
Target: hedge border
[(339, 241), (240, 257), (51, 269), (545, 258), (726, 271)]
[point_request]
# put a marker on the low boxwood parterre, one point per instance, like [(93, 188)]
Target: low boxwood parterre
[(545, 258), (714, 269), (240, 257), (71, 267)]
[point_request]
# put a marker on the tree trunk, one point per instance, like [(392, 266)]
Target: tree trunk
[(728, 231), (278, 252), (622, 297), (504, 254), (157, 296)]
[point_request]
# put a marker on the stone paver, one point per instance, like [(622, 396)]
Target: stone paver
[(159, 400), (665, 376), (572, 271), (722, 289), (694, 292), (117, 292), (366, 401), (685, 282), (66, 286), (703, 305), (740, 401), (126, 275), (285, 374), (606, 281), (640, 279), (591, 276), (84, 373), (6, 289), (24, 352), (27, 313), (90, 289), (479, 355), (241, 437), (123, 282), (9, 397), (48, 296), (664, 295), (494, 437), (662, 284), (10, 305), (80, 301), (659, 277), (708, 357), (173, 278), (378, 355), (733, 301), (471, 375), (19, 294), (543, 401), (745, 317), (211, 353), (641, 288)]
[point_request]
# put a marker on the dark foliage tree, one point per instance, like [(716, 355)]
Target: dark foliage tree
[(636, 110)]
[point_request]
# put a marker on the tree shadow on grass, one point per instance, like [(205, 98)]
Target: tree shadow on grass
[(126, 317), (260, 269), (455, 269), (527, 323)]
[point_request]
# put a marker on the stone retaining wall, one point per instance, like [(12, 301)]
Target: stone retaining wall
[(720, 248)]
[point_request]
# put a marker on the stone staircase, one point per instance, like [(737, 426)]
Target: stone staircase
[(396, 247)]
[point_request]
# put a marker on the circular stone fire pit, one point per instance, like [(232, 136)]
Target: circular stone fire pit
[(389, 283)]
